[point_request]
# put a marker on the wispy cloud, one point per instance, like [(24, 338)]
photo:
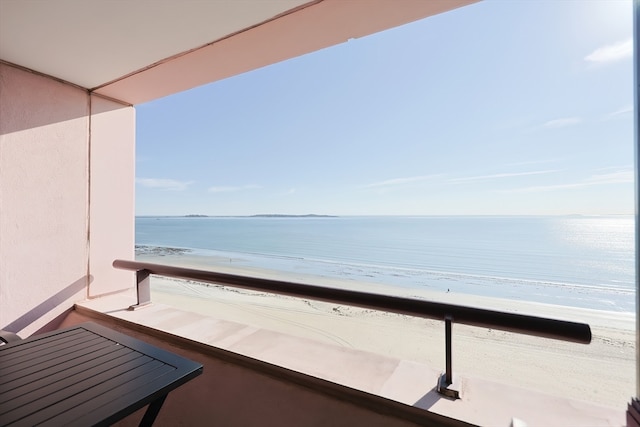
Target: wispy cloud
[(501, 175), (611, 53), (620, 112), (561, 122), (229, 189), (618, 177), (164, 184), (400, 181), (625, 168)]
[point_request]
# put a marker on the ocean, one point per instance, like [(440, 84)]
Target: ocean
[(577, 261)]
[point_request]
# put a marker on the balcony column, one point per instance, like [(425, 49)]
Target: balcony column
[(111, 194)]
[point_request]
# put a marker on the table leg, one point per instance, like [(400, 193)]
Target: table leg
[(152, 412)]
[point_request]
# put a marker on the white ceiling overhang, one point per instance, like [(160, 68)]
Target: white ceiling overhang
[(137, 51)]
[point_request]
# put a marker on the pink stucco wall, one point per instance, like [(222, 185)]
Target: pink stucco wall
[(44, 129), (66, 197), (111, 201)]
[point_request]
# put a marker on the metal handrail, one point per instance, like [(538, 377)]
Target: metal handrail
[(511, 322)]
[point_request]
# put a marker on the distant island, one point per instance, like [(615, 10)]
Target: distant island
[(261, 216), (291, 216)]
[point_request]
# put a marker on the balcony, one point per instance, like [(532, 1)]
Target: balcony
[(380, 389)]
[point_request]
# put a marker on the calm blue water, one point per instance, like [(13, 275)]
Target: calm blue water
[(578, 261)]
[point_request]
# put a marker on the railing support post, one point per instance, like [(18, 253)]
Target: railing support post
[(143, 289), (445, 382), (447, 338)]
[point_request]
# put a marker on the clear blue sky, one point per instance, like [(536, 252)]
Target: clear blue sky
[(519, 107)]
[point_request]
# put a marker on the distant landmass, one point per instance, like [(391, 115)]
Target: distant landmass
[(291, 216), (262, 216)]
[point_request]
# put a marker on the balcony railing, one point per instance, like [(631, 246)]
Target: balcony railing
[(449, 313)]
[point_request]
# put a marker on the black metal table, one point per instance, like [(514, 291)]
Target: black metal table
[(86, 375)]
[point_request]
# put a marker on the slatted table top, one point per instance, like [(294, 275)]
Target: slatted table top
[(84, 375)]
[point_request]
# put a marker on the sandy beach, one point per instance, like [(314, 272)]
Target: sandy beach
[(601, 372)]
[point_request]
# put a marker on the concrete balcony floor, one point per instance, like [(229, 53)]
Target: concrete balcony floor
[(401, 392), (235, 390)]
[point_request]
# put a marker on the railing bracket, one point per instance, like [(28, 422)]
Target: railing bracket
[(143, 289), (138, 306), (450, 390)]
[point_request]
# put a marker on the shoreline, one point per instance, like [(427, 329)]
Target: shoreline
[(183, 258), (600, 372), (402, 281)]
